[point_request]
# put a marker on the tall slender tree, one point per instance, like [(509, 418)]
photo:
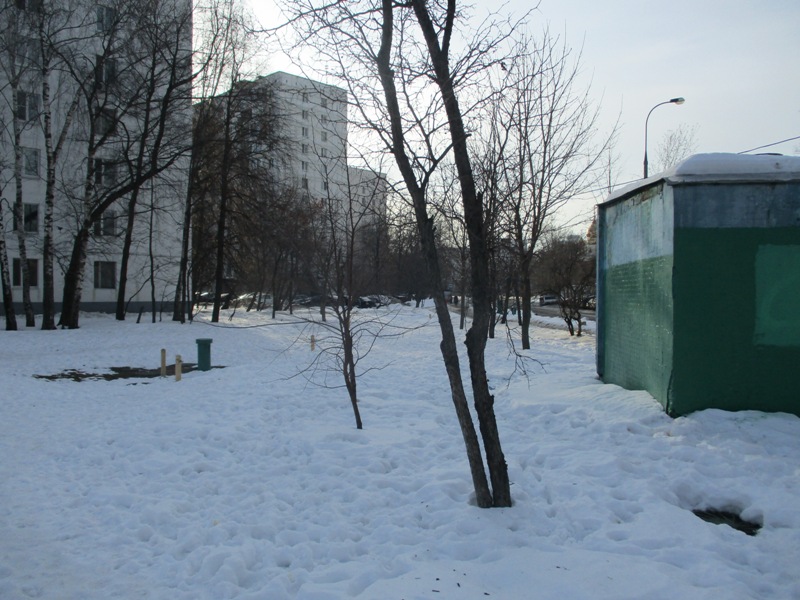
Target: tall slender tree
[(119, 129), (53, 32), (543, 137), (20, 64), (416, 115)]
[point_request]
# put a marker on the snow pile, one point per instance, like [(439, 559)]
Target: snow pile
[(251, 481), (721, 166)]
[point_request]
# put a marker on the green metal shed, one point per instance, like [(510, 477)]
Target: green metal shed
[(698, 276)]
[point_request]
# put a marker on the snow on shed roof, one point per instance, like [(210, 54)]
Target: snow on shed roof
[(720, 167)]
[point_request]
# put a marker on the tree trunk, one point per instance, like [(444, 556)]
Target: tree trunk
[(48, 287), (479, 264), (224, 190), (525, 309), (151, 254), (19, 217), (73, 280), (181, 301), (5, 276), (52, 153), (428, 243), (349, 368), (126, 254)]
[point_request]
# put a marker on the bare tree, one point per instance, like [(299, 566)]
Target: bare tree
[(676, 145), (239, 202), (5, 268), (542, 143), (161, 46), (406, 270), (20, 64), (417, 117), (349, 210), (454, 246), (53, 32), (565, 267), (488, 158), (116, 127), (5, 274)]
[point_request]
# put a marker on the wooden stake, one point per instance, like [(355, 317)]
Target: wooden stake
[(178, 367)]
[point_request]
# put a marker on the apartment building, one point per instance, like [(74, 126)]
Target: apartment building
[(88, 118), (314, 122)]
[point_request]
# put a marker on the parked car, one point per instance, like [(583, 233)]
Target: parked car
[(255, 299), (546, 299), (373, 301), (206, 298)]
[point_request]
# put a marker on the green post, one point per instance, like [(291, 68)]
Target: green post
[(204, 354)]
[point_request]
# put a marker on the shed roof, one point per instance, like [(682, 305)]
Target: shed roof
[(719, 167)]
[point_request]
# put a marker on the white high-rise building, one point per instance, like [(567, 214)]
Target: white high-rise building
[(314, 123), (313, 120), (118, 170)]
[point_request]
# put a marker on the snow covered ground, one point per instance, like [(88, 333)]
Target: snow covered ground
[(246, 482)]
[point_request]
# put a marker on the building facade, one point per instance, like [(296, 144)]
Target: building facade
[(289, 188), (313, 122), (95, 141), (698, 274)]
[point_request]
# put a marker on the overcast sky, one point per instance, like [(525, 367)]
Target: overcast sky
[(736, 62)]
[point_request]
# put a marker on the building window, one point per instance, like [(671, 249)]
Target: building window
[(105, 71), (324, 136), (30, 217), (30, 5), (304, 166), (105, 275), (105, 122), (305, 115), (33, 272), (323, 152), (27, 106), (324, 119), (105, 18), (27, 52), (105, 172), (324, 103), (304, 131), (304, 183), (305, 96), (325, 185), (304, 148), (30, 162), (107, 225)]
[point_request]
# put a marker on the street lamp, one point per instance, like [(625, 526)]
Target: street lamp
[(672, 101)]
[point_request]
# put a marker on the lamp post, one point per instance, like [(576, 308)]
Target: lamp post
[(671, 101)]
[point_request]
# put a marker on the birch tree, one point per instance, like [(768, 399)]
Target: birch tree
[(59, 105), (107, 71), (20, 62)]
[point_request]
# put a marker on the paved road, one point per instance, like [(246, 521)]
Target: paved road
[(551, 310)]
